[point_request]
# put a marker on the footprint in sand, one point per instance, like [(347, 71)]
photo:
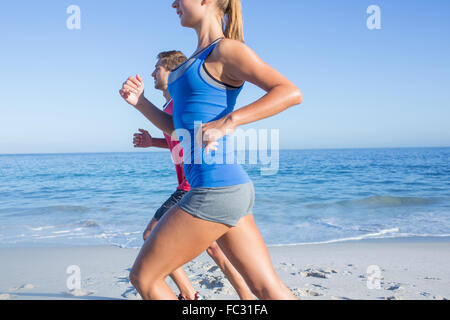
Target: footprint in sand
[(88, 282), (79, 293), (393, 287), (131, 294), (213, 269), (218, 284), (192, 266), (425, 294), (347, 273), (318, 286), (300, 292), (431, 278), (28, 286), (339, 298), (287, 267), (125, 280), (212, 282), (6, 296), (317, 273), (391, 298)]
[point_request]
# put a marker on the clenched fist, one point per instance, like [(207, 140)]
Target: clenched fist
[(142, 139), (133, 90)]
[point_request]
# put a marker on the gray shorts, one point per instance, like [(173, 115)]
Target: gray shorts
[(225, 205)]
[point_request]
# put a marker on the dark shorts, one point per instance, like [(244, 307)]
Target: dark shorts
[(173, 199)]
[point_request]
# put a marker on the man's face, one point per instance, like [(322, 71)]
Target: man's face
[(161, 76)]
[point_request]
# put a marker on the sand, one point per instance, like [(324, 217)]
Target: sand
[(373, 269)]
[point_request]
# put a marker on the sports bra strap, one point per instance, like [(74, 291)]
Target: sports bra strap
[(207, 52)]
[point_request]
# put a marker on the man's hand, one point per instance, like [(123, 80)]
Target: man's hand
[(133, 90), (143, 139)]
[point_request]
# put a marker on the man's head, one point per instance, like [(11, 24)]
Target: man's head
[(167, 61)]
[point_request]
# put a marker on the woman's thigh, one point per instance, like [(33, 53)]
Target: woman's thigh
[(176, 239)]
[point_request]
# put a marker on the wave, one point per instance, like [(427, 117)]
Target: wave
[(40, 228), (62, 232), (67, 208), (383, 234), (375, 201), (87, 224), (36, 211)]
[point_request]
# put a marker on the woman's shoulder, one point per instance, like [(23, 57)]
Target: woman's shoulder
[(229, 48)]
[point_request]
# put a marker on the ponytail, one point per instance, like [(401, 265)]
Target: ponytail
[(234, 25)]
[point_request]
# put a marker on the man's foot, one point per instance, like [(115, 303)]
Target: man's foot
[(197, 297)]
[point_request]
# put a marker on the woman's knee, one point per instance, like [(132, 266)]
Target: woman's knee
[(135, 279), (142, 282)]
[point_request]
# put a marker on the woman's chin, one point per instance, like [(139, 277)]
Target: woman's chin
[(185, 23)]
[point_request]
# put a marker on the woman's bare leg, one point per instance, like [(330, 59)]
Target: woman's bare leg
[(178, 276), (245, 248), (178, 238), (236, 280), (184, 285)]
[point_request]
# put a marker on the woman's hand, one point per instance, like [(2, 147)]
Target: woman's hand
[(210, 132), (143, 139), (133, 90)]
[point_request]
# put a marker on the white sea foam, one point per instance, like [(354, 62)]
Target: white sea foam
[(384, 234), (40, 228), (61, 232), (356, 238)]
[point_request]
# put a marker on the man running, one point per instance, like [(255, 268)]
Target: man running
[(167, 61)]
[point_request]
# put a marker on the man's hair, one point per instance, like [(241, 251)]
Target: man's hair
[(171, 59)]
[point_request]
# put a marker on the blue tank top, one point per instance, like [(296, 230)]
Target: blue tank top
[(198, 98)]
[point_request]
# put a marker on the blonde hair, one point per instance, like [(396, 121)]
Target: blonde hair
[(171, 59), (232, 19)]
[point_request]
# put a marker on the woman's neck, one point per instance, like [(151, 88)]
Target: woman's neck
[(208, 31)]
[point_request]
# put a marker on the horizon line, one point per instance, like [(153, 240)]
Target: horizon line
[(158, 151)]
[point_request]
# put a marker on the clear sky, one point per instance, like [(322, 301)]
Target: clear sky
[(361, 87)]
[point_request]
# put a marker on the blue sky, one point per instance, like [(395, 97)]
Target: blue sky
[(361, 87)]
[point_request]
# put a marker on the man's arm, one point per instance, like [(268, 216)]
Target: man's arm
[(160, 143), (145, 140)]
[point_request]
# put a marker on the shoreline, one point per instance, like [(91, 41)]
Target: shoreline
[(412, 269), (407, 239)]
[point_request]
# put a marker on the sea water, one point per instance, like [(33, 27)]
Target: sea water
[(315, 196)]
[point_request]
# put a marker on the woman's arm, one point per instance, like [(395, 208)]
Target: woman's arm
[(133, 93), (242, 64)]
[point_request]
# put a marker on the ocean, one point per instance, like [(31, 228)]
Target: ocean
[(315, 196)]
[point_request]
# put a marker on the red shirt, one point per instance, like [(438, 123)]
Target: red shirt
[(182, 182)]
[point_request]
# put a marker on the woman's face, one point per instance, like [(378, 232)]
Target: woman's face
[(189, 11)]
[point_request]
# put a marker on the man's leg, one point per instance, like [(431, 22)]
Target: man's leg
[(236, 280)]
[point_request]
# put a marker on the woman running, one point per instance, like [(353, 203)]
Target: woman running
[(219, 205)]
